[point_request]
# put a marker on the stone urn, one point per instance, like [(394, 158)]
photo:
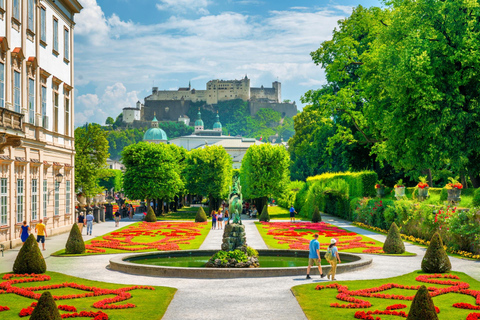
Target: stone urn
[(399, 192), (454, 195), (81, 199), (422, 193), (380, 192)]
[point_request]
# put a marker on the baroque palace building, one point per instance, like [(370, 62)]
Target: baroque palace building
[(36, 116)]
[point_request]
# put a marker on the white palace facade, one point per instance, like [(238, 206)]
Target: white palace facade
[(36, 116)]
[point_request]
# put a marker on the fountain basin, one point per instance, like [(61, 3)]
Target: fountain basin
[(126, 264)]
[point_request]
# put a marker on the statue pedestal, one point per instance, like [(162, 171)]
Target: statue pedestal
[(234, 237)]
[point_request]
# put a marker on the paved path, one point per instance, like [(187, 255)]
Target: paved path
[(256, 298)]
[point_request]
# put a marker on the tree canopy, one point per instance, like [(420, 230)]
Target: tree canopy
[(91, 153)]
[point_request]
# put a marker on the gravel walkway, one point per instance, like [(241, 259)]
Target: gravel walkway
[(257, 298)]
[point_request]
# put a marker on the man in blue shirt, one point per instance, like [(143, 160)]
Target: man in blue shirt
[(292, 214), (89, 219), (314, 256)]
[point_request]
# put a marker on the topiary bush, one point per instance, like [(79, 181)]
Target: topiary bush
[(46, 308), (422, 307), (201, 216), (265, 217), (75, 244), (476, 198), (436, 259), (316, 217), (393, 244), (29, 258), (444, 195), (150, 217)]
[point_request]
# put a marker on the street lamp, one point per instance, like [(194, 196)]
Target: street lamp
[(59, 178)]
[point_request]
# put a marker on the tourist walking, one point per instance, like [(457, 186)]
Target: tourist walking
[(214, 219), (80, 222), (24, 232), (117, 218), (226, 218), (292, 214), (220, 219), (332, 256), (89, 219), (41, 231), (314, 256)]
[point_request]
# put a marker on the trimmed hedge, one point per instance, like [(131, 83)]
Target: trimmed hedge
[(75, 244), (201, 216), (361, 184), (29, 258), (265, 217), (46, 308), (422, 307), (436, 259), (150, 217), (316, 217), (394, 243)]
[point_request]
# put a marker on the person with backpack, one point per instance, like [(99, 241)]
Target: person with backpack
[(331, 256)]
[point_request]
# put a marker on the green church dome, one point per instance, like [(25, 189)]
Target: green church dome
[(154, 133), (217, 124), (199, 121)]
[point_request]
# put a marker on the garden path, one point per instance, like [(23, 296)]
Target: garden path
[(256, 298)]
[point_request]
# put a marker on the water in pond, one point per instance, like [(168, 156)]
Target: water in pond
[(200, 261)]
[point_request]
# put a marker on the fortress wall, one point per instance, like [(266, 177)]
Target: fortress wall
[(165, 110), (264, 93), (286, 109), (177, 95)]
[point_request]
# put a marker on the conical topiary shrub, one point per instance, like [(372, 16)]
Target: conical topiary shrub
[(46, 308), (201, 216), (75, 244), (316, 217), (150, 217), (29, 258), (394, 243), (422, 306), (436, 259), (264, 216)]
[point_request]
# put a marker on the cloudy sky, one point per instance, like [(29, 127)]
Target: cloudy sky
[(125, 47)]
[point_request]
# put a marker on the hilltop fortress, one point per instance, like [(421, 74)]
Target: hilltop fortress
[(173, 105)]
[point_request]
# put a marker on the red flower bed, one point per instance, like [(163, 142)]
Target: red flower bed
[(346, 295), (170, 234), (121, 294), (293, 234)]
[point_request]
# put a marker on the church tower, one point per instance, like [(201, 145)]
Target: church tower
[(217, 126), (199, 122)]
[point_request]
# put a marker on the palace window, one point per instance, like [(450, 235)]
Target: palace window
[(44, 107), (19, 200), (55, 35), (43, 25), (16, 9), (45, 197), (34, 199), (31, 100), (67, 197), (31, 14), (2, 85), (67, 44), (3, 201), (55, 111), (67, 116), (57, 198), (16, 92)]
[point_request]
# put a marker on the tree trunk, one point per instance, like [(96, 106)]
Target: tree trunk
[(474, 179), (428, 172), (463, 180)]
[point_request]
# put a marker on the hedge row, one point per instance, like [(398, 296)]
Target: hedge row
[(361, 184)]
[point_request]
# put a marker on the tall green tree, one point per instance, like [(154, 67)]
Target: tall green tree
[(114, 180), (265, 172), (152, 171), (208, 172), (91, 153)]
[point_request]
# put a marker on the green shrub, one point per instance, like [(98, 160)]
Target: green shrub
[(29, 258), (201, 216), (444, 195), (464, 230), (265, 217), (476, 198), (252, 252), (436, 259), (361, 184), (301, 197), (46, 308), (75, 244), (150, 217), (393, 244), (422, 307), (316, 217), (224, 256)]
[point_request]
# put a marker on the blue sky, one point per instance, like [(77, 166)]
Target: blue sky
[(124, 47)]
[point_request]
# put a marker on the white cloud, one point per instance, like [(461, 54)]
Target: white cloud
[(183, 6), (91, 22)]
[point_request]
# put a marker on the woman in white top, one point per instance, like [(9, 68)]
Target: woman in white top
[(220, 219)]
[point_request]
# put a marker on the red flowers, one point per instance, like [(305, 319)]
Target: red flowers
[(422, 185), (169, 234), (293, 234), (450, 280)]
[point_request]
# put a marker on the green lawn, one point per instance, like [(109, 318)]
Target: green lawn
[(181, 235), (277, 212), (185, 213), (316, 303), (291, 237), (150, 304)]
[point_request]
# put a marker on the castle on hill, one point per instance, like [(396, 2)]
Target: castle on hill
[(173, 105)]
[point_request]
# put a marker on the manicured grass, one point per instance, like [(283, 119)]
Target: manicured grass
[(286, 235), (163, 235), (185, 213), (277, 212), (316, 303), (150, 304)]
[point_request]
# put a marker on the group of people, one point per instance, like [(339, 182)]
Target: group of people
[(219, 218), (85, 220), (331, 256), (40, 230)]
